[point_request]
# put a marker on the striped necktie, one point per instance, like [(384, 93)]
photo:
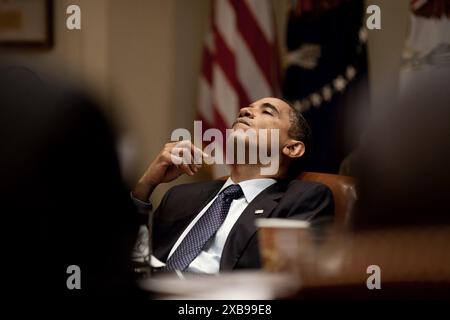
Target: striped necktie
[(204, 229)]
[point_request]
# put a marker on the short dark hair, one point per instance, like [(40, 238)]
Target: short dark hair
[(299, 130)]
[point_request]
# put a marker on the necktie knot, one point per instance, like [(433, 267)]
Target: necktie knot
[(232, 192)]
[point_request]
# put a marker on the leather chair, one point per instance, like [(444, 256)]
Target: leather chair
[(344, 193)]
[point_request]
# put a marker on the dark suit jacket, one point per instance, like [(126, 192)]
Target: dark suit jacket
[(296, 199)]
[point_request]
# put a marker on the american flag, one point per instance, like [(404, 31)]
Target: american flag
[(240, 61), (431, 8), (417, 4)]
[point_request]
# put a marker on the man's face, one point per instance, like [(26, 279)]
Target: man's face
[(266, 113)]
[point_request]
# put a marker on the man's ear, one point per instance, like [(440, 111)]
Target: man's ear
[(294, 149)]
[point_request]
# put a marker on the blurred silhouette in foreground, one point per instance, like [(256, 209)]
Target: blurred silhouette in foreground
[(402, 225), (61, 188), (405, 167)]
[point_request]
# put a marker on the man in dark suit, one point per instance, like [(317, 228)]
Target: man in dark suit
[(210, 227), (62, 197)]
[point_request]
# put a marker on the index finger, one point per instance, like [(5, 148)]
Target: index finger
[(196, 152)]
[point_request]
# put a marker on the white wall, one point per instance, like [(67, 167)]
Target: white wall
[(154, 64), (385, 48)]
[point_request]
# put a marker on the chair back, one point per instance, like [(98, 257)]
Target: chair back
[(343, 189)]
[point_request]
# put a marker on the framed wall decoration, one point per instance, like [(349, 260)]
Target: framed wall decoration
[(26, 23)]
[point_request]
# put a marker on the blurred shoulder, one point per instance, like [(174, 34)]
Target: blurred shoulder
[(31, 87)]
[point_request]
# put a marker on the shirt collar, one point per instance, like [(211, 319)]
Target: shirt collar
[(251, 188)]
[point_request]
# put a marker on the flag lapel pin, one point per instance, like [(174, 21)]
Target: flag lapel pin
[(259, 211)]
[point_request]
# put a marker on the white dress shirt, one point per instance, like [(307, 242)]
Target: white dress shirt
[(208, 261)]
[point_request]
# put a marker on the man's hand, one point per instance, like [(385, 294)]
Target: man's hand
[(174, 159)]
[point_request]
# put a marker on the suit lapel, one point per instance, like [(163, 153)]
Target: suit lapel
[(195, 202), (206, 194), (245, 228)]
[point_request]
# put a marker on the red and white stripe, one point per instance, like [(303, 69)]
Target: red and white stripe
[(417, 4), (240, 60)]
